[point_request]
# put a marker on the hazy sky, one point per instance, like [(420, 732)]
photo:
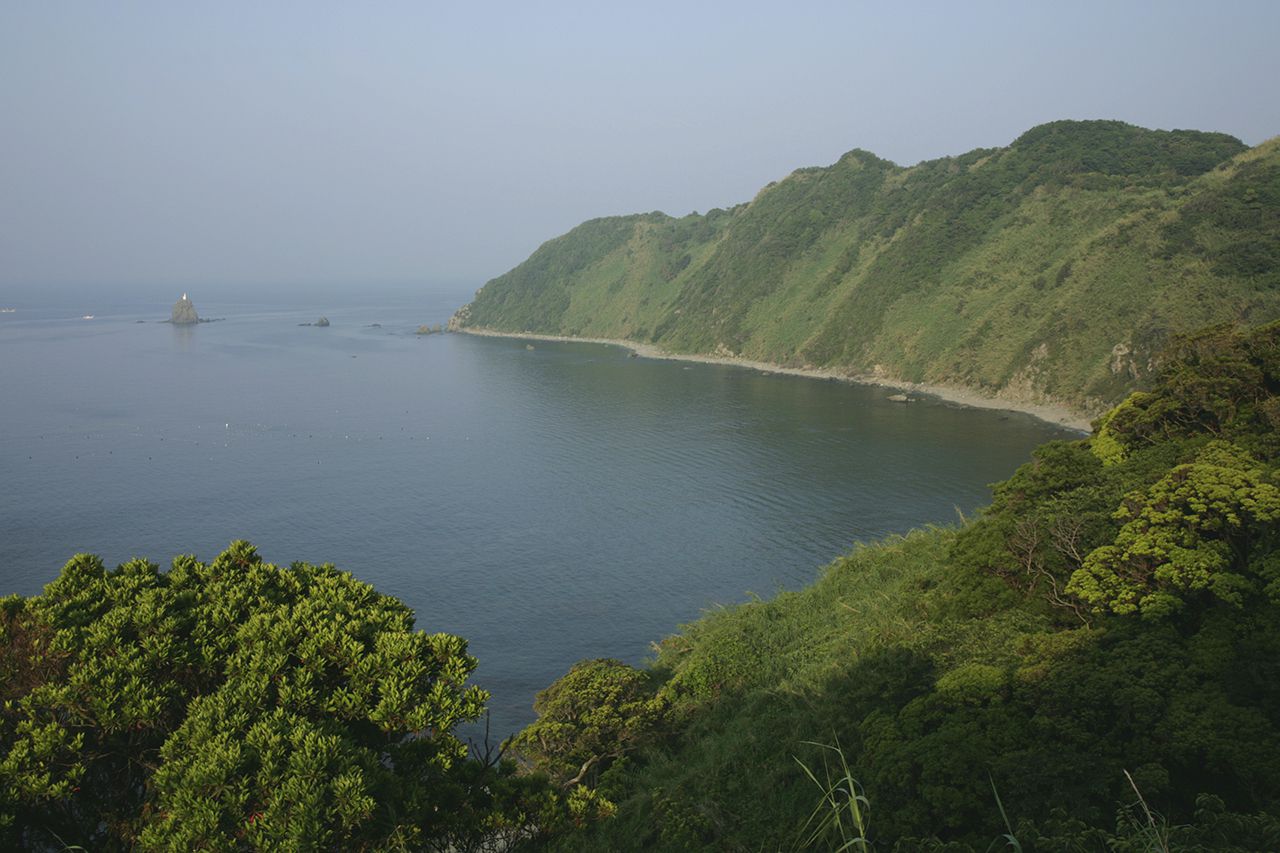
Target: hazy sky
[(313, 142)]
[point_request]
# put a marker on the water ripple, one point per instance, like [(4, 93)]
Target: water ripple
[(549, 505)]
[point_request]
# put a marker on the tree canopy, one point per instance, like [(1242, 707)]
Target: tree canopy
[(237, 704)]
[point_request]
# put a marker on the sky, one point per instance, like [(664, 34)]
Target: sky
[(313, 143)]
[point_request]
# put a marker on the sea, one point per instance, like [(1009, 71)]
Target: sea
[(549, 502)]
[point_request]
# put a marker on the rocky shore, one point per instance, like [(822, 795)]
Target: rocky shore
[(1054, 414)]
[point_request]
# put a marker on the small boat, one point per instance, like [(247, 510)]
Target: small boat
[(87, 317)]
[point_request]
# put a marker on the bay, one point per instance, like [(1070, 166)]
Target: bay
[(549, 503)]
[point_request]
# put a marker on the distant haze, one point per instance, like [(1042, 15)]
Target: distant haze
[(316, 143)]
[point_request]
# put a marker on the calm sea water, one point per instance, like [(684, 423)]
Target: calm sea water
[(548, 504)]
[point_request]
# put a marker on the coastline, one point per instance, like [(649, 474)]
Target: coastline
[(1056, 415)]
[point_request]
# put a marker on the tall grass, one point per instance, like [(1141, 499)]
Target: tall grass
[(1152, 834), (1010, 840), (839, 821)]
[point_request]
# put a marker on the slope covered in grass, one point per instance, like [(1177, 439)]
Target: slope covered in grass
[(1052, 270), (1115, 610)]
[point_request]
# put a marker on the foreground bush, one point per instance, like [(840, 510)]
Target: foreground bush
[(238, 704)]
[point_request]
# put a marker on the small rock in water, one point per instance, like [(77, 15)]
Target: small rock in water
[(528, 346), (900, 398), (183, 313)]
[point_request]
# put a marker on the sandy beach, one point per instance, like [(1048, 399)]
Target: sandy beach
[(1058, 415)]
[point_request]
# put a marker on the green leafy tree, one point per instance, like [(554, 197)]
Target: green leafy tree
[(236, 704), (1219, 381), (596, 713), (1194, 530)]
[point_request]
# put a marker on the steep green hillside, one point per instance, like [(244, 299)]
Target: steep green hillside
[(1048, 271), (1116, 610)]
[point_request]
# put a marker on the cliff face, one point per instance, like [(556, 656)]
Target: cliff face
[(184, 312), (1052, 270)]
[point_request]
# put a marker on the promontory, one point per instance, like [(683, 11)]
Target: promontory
[(1051, 271)]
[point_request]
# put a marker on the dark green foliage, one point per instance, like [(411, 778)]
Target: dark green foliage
[(234, 705), (1116, 148), (595, 714), (1217, 382), (1236, 225), (1108, 628), (1212, 828)]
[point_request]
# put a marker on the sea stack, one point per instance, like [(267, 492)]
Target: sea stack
[(184, 313)]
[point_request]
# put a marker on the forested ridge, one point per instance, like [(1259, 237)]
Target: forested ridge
[(1053, 270), (1090, 664)]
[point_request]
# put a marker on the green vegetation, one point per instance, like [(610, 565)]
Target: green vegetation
[(1089, 665), (838, 821), (591, 716), (1053, 270), (238, 705)]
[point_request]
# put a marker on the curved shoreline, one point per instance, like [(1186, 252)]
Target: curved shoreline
[(1056, 415)]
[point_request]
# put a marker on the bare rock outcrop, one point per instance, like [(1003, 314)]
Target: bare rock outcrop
[(184, 313)]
